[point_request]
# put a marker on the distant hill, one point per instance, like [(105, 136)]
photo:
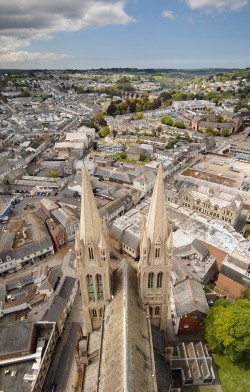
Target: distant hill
[(198, 71)]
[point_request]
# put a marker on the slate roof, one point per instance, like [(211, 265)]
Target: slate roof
[(189, 297), (64, 216), (67, 287), (198, 245), (32, 247), (16, 337), (55, 312)]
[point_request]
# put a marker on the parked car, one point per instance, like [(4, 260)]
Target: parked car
[(5, 220)]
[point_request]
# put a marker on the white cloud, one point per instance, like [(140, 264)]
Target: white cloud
[(21, 22), (168, 14), (231, 5), (23, 57)]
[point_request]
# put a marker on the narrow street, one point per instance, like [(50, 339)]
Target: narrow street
[(60, 371)]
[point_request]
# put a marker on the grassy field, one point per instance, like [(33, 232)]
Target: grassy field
[(232, 377)]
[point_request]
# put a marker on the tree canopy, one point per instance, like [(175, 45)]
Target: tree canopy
[(104, 132), (227, 329), (54, 173), (167, 120)]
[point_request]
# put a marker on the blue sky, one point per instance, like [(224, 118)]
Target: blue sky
[(59, 34)]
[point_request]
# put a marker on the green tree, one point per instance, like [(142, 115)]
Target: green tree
[(209, 131), (138, 107), (54, 174), (179, 124), (123, 155), (100, 119), (105, 131), (138, 116), (227, 329), (142, 157), (25, 93), (219, 118), (171, 143), (167, 120), (225, 132), (165, 96), (149, 105), (111, 110)]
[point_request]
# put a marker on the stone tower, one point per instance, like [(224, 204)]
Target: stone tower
[(93, 258), (156, 247)]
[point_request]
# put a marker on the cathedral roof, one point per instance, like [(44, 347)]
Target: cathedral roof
[(126, 361)]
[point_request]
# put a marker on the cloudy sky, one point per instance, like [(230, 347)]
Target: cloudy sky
[(59, 34)]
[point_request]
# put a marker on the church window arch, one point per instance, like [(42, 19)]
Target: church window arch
[(103, 254), (91, 253), (157, 251), (159, 280), (90, 250), (91, 289), (99, 286), (157, 311), (150, 311), (157, 248), (150, 280)]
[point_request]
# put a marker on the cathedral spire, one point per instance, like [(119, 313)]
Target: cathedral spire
[(90, 222), (157, 222), (154, 269), (93, 258)]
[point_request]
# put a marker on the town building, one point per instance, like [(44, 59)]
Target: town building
[(25, 360), (204, 200), (234, 276), (195, 105), (189, 305), (241, 150)]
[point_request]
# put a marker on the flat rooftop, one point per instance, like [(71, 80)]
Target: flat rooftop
[(221, 170), (189, 225), (11, 377)]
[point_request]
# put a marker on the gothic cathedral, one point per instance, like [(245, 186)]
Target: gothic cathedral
[(93, 258)]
